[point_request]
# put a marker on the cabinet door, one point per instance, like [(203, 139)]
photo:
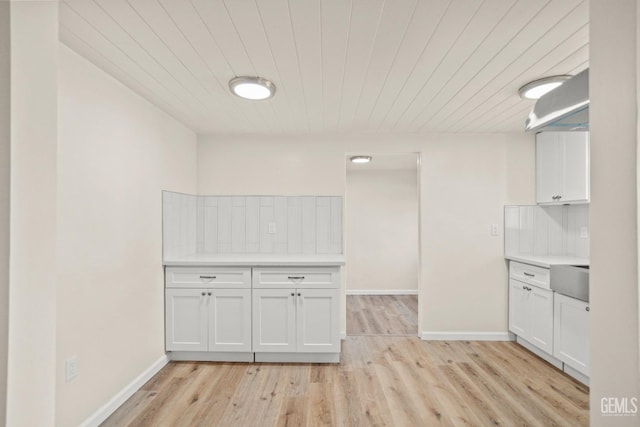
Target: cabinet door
[(576, 167), (541, 334), (549, 153), (274, 320), (571, 332), (317, 320), (186, 320), (229, 319), (519, 309)]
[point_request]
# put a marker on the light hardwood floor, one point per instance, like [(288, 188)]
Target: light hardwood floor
[(381, 380), (382, 315)]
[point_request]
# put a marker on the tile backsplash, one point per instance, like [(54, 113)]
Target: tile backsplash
[(251, 224), (178, 224), (547, 230)]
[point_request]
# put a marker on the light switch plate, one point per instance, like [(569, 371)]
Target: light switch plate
[(71, 368), (495, 229), (584, 232)]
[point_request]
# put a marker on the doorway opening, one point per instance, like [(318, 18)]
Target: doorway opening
[(382, 245)]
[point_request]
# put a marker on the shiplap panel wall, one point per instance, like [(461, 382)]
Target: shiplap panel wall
[(241, 224), (546, 230), (178, 224)]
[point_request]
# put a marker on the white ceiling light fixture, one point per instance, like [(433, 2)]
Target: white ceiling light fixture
[(360, 159), (253, 88), (537, 88)]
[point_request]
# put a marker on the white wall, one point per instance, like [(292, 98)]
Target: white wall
[(466, 180), (116, 153), (32, 281), (381, 226), (615, 371), (265, 166), (5, 152)]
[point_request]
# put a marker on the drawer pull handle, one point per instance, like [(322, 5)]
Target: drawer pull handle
[(207, 277), (295, 277), (529, 274), (587, 308)]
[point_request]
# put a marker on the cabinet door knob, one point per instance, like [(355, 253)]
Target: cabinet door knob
[(587, 308), (298, 293), (293, 294), (203, 294), (209, 293)]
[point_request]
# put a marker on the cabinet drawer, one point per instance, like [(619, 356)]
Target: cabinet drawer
[(318, 277), (531, 274), (207, 277)]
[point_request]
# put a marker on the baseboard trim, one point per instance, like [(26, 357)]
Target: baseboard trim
[(466, 336), (114, 403), (382, 292)]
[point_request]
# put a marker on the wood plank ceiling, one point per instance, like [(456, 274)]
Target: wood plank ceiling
[(340, 66)]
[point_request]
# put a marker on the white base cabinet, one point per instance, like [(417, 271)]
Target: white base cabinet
[(215, 320), (553, 326), (208, 312), (266, 314), (185, 320), (296, 314), (571, 333), (296, 320), (531, 314)]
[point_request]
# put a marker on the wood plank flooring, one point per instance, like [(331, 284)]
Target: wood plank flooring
[(381, 380), (382, 315)]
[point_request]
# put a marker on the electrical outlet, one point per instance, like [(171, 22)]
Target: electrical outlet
[(272, 228), (495, 229), (584, 232), (71, 368)]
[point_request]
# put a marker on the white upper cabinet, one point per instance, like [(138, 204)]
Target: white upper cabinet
[(562, 167)]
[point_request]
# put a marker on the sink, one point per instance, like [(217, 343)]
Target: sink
[(571, 280)]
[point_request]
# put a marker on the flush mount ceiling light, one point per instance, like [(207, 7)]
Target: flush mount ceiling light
[(254, 88), (537, 88), (360, 159)]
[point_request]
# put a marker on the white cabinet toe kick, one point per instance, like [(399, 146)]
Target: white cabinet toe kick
[(253, 314)]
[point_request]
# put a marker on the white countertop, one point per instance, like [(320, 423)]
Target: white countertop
[(548, 260), (219, 260)]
